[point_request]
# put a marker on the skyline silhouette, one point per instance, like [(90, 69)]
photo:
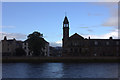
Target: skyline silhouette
[(97, 20)]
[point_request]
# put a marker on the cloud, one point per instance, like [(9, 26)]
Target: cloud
[(94, 14), (55, 44), (59, 42), (112, 21), (7, 26), (83, 27), (89, 30), (18, 36), (113, 34)]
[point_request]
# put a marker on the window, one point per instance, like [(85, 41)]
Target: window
[(8, 49), (80, 50), (117, 43), (71, 50), (65, 25), (75, 44), (107, 43), (76, 50), (96, 43), (95, 54), (24, 47)]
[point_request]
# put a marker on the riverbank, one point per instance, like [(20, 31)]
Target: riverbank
[(58, 59)]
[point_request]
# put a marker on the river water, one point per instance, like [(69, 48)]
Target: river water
[(60, 70)]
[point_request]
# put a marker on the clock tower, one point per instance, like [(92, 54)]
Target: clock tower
[(65, 31)]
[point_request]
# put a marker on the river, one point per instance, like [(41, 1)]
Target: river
[(60, 70)]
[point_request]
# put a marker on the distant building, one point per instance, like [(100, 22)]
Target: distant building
[(76, 45), (55, 51), (9, 46), (25, 47)]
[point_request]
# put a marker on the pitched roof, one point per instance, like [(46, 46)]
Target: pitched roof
[(76, 36)]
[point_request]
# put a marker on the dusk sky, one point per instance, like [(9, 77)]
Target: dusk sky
[(94, 19)]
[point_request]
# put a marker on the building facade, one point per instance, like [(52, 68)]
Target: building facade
[(9, 46), (76, 45), (28, 53)]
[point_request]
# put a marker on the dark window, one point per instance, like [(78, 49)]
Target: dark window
[(107, 43), (80, 50), (117, 43), (76, 50), (8, 49), (71, 50), (24, 47)]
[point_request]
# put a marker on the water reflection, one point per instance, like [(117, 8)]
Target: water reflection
[(48, 70), (91, 70), (60, 70)]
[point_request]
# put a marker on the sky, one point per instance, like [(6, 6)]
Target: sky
[(95, 19)]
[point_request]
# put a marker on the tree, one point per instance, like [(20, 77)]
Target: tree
[(36, 43), (20, 52)]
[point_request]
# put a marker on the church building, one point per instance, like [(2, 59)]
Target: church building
[(76, 45)]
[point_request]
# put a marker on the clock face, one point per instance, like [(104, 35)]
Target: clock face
[(65, 25)]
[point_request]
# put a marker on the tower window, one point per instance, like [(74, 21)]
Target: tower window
[(65, 25)]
